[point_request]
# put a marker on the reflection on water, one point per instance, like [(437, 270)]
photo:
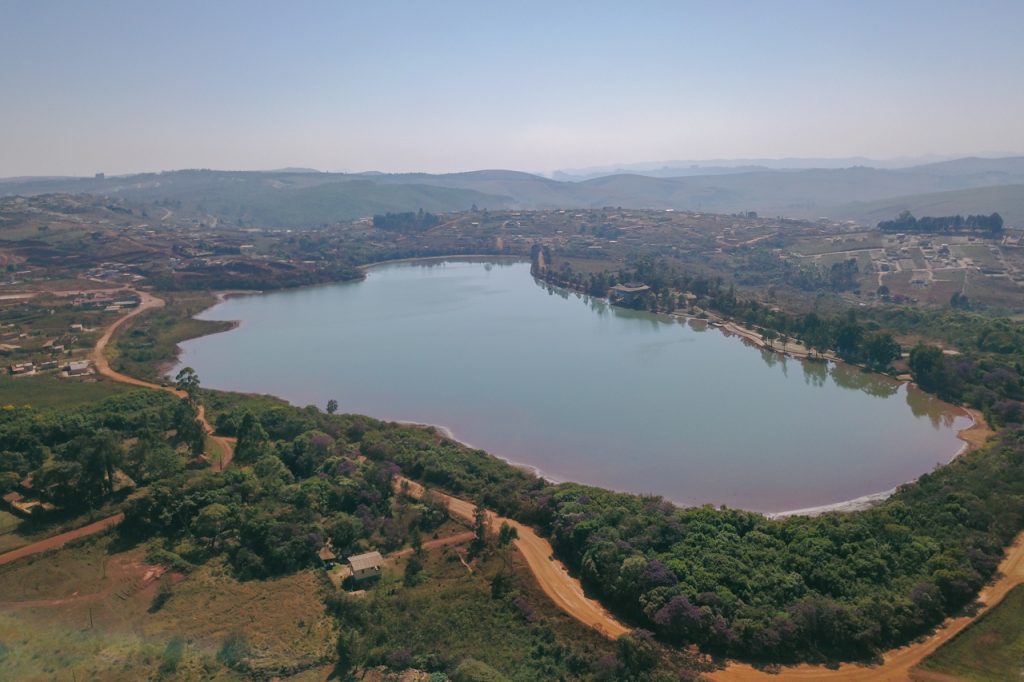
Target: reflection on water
[(926, 405), (580, 390), (815, 372)]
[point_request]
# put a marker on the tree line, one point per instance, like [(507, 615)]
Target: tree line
[(75, 457), (672, 289), (408, 221), (991, 225)]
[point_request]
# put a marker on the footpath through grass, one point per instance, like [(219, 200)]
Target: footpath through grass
[(990, 649)]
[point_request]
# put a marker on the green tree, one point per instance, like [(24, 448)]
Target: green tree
[(481, 529), (99, 455), (928, 367), (253, 441), (343, 530), (507, 534), (413, 571), (332, 406), (188, 381), (189, 429), (880, 350), (637, 651)]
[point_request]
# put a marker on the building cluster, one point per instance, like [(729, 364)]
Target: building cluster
[(72, 369)]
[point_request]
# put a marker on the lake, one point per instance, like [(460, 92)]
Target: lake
[(578, 389)]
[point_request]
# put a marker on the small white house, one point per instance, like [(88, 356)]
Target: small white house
[(78, 367)]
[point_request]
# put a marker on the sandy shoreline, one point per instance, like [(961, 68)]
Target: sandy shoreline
[(972, 437), (862, 503), (450, 435), (225, 294)]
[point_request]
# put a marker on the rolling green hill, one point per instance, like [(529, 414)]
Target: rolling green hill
[(1007, 200), (299, 198)]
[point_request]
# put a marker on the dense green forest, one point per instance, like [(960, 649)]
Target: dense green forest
[(835, 586), (76, 457), (301, 479), (839, 586), (832, 587)]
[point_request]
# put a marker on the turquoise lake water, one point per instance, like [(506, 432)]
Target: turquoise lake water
[(578, 389)]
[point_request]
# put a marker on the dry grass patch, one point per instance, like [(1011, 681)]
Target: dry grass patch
[(84, 610)]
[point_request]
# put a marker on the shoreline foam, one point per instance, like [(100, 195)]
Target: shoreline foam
[(872, 499)]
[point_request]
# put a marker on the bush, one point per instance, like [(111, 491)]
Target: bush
[(472, 670)]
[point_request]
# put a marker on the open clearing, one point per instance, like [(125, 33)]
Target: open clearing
[(86, 610), (990, 649)]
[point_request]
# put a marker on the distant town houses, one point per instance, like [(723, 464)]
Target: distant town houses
[(22, 368), (106, 303)]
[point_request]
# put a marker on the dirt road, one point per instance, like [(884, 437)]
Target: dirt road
[(58, 541), (898, 664), (99, 359), (449, 541), (551, 575)]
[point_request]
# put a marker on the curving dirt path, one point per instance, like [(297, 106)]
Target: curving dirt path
[(58, 541), (99, 359), (551, 574), (449, 541), (898, 664)]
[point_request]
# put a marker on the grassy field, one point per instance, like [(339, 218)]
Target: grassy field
[(56, 575), (50, 390), (149, 342), (990, 649), (87, 610), (8, 524)]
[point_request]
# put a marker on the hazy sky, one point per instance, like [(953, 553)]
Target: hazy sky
[(90, 86)]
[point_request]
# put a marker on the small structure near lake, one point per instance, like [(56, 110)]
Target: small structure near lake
[(327, 556), (366, 566), (628, 293)]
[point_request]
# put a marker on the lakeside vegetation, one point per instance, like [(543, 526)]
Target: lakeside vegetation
[(835, 587), (151, 340), (986, 373), (301, 480)]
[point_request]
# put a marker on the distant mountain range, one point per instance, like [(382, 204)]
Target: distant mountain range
[(676, 169), (306, 198)]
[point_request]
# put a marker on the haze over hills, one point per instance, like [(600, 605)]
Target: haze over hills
[(307, 198), (681, 168)]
